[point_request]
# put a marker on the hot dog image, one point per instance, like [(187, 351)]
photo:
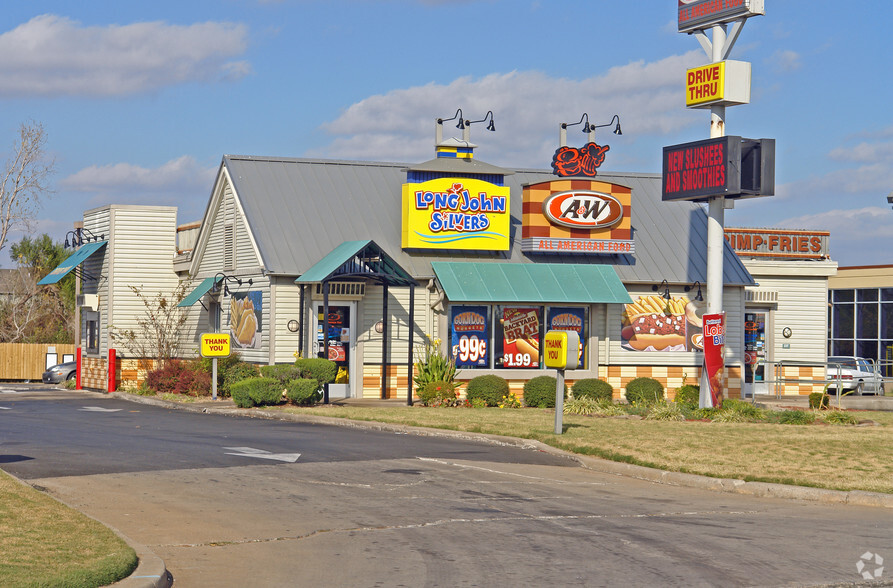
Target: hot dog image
[(528, 346), (653, 323)]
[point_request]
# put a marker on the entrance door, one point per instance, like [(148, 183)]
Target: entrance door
[(342, 343), (755, 352)]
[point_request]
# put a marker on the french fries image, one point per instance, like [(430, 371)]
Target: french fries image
[(242, 320)]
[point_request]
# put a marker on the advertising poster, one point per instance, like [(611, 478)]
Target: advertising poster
[(338, 335), (570, 319), (470, 333), (714, 342), (653, 323), (521, 337), (245, 324)]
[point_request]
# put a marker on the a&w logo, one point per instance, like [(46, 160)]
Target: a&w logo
[(583, 210)]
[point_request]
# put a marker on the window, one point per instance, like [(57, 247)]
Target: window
[(860, 321), (508, 336), (91, 332)]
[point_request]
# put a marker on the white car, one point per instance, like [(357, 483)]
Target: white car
[(853, 375)]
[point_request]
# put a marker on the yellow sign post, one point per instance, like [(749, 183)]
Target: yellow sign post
[(562, 351)]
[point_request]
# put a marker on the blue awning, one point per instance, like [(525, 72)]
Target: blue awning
[(200, 291), (74, 260)]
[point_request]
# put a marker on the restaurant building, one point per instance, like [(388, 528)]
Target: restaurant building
[(785, 311), (366, 262)]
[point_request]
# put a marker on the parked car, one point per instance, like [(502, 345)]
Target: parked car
[(853, 375), (60, 372)]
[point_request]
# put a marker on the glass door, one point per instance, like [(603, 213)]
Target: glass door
[(341, 338), (755, 352)]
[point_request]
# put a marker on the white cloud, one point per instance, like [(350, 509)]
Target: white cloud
[(859, 236), (181, 182), (785, 60), (400, 124), (55, 56)]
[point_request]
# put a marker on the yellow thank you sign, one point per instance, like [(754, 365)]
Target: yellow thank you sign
[(215, 345)]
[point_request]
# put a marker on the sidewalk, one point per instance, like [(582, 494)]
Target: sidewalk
[(847, 402)]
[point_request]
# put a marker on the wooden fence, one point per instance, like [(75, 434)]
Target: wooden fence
[(28, 361)]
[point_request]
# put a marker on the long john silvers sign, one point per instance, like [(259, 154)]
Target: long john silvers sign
[(702, 14)]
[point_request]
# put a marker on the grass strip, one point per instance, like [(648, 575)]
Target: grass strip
[(45, 543)]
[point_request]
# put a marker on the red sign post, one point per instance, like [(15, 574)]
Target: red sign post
[(714, 342)]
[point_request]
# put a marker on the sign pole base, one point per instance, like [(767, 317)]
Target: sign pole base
[(559, 401)]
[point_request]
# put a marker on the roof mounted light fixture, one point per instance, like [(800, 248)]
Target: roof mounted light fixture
[(438, 125), (588, 128), (78, 238), (490, 127), (223, 278), (666, 290), (698, 296)]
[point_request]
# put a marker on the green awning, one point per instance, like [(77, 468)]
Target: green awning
[(357, 259), (546, 283), (200, 291), (73, 260)]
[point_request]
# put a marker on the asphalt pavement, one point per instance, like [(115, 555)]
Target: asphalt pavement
[(152, 570)]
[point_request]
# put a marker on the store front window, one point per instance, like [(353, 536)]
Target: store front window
[(861, 323), (509, 336)]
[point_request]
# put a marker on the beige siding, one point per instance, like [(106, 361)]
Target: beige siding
[(260, 354), (288, 307), (398, 311), (140, 255), (802, 306)]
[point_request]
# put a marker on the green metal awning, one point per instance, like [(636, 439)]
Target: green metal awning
[(546, 283), (200, 291), (357, 259), (73, 260)]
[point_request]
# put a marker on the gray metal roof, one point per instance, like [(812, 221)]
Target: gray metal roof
[(299, 210)]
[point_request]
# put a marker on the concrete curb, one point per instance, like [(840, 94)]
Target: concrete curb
[(150, 572), (759, 489)]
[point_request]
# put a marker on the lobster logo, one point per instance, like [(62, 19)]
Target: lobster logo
[(570, 161)]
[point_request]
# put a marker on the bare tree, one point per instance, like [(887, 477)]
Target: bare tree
[(159, 330), (25, 180), (30, 313)]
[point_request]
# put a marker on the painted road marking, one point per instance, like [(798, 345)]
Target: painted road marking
[(261, 454), (5, 408), (98, 409)]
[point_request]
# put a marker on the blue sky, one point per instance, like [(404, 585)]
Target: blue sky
[(141, 100)]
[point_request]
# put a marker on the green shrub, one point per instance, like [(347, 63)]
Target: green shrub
[(819, 400), (791, 417), (435, 366), (283, 372), (644, 391), (489, 388), (665, 411), (438, 394), (839, 417), (240, 393), (303, 391), (581, 405), (593, 388), (320, 369), (478, 403), (256, 392), (539, 392), (704, 413), (235, 372), (688, 395), (745, 409)]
